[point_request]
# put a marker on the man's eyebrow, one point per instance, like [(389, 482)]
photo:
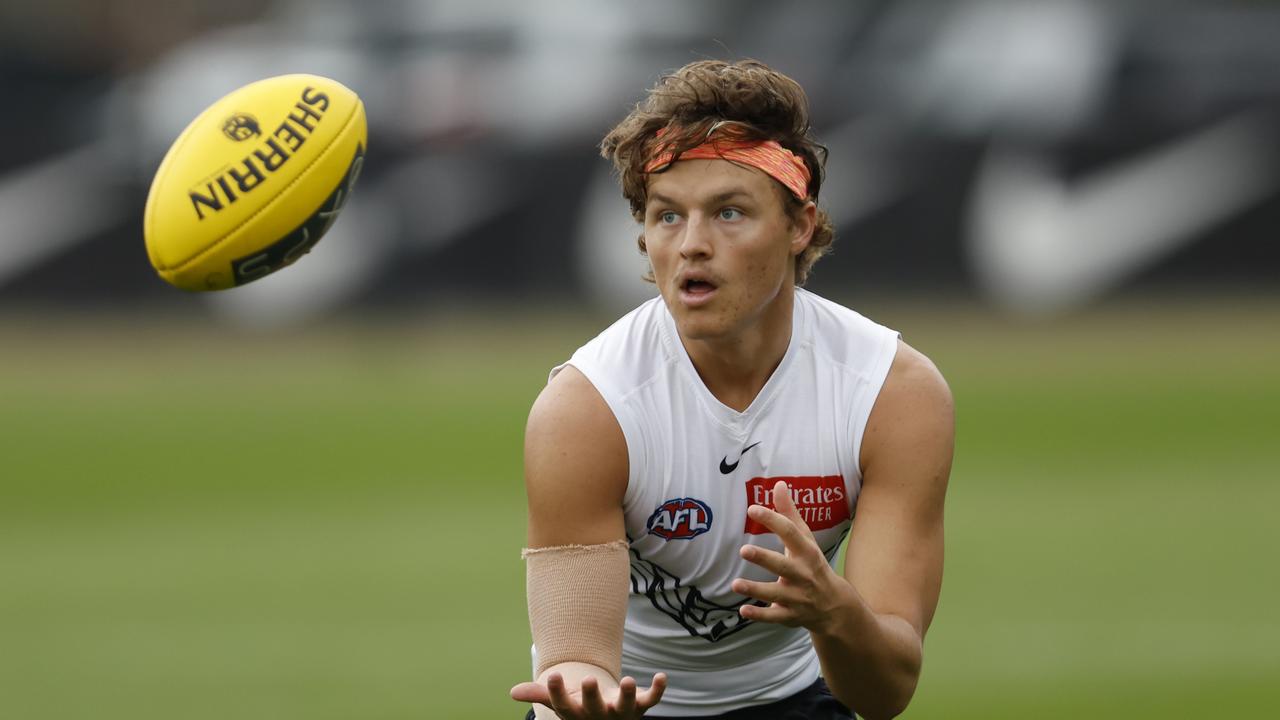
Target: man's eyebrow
[(660, 198), (728, 195), (713, 200)]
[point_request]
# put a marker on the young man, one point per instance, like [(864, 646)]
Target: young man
[(693, 470)]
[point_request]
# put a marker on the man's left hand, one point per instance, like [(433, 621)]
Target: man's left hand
[(807, 591)]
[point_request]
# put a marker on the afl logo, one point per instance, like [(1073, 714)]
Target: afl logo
[(680, 519), (241, 126)]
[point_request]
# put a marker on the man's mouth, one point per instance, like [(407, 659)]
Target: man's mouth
[(696, 290), (697, 287)]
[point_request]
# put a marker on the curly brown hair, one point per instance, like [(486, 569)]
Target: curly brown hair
[(761, 103)]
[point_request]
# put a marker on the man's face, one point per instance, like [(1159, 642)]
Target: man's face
[(721, 245)]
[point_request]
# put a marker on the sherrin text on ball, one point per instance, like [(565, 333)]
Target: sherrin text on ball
[(254, 181)]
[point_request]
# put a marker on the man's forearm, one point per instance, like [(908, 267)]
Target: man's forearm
[(871, 662)]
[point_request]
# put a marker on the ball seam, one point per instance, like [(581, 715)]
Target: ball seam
[(148, 222)]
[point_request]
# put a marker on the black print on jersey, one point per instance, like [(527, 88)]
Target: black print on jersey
[(726, 468), (685, 603)]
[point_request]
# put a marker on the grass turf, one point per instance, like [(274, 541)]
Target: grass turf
[(325, 524)]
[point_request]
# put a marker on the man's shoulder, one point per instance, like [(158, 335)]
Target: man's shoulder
[(915, 408), (570, 401), (914, 372)]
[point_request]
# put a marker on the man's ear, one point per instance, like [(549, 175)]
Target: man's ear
[(803, 224)]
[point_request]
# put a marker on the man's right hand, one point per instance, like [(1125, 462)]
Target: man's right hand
[(589, 702)]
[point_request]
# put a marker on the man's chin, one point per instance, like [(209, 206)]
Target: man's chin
[(696, 323), (699, 328)]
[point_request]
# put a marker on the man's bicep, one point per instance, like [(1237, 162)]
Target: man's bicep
[(895, 551), (575, 461)]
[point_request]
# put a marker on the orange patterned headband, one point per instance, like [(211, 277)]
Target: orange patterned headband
[(767, 155)]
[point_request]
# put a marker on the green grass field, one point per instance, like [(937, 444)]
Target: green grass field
[(326, 523)]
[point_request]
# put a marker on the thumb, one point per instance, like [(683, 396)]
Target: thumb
[(531, 692)]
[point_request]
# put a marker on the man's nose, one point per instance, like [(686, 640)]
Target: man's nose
[(696, 239)]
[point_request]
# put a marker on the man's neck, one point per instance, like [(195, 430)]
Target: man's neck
[(736, 368)]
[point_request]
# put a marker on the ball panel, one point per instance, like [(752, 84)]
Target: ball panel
[(275, 238), (299, 242), (251, 169)]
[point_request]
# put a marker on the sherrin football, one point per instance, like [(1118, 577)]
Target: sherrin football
[(254, 181)]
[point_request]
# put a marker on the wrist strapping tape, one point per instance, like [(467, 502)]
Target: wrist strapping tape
[(578, 603)]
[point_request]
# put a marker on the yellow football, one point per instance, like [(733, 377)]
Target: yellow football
[(254, 181)]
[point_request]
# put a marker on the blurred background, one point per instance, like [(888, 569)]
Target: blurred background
[(303, 497)]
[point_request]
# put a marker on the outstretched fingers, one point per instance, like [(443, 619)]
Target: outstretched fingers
[(592, 700), (774, 562), (630, 702), (773, 613), (650, 697), (626, 696), (772, 592), (559, 694), (531, 692), (798, 529)]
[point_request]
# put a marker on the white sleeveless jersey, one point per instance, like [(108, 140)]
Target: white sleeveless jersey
[(695, 466)]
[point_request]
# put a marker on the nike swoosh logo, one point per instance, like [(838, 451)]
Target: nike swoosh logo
[(1039, 244), (726, 468)]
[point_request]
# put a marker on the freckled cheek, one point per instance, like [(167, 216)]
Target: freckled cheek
[(759, 275), (661, 266)]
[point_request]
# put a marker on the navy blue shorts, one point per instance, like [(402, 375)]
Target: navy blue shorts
[(813, 703)]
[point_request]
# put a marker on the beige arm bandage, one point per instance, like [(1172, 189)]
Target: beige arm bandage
[(578, 603)]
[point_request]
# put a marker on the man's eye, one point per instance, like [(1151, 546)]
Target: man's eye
[(730, 214), (667, 218)]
